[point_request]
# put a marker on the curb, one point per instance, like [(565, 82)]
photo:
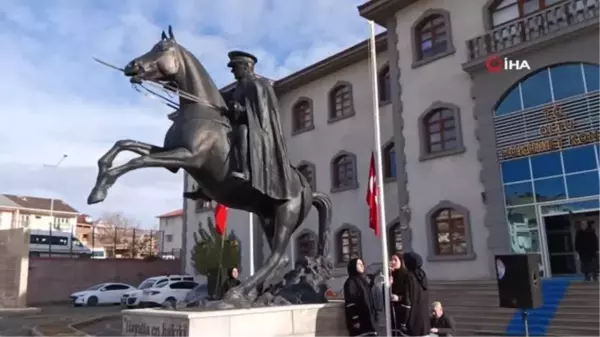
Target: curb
[(74, 328), (19, 311)]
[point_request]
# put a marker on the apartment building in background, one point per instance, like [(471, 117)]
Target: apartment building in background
[(170, 226), (35, 213)]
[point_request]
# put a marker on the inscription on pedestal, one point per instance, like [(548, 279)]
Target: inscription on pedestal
[(154, 326)]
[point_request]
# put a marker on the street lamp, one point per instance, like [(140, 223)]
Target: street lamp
[(55, 166)]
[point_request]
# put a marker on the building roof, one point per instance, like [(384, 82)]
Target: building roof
[(6, 202), (381, 10), (329, 65), (172, 214), (39, 203)]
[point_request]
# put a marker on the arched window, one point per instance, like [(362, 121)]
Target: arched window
[(385, 86), (449, 230), (441, 131), (306, 244), (395, 241), (349, 244), (308, 170), (389, 161), (343, 172), (302, 115), (503, 11), (557, 82), (340, 102), (432, 36)]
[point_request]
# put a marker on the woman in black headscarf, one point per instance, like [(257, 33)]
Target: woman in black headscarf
[(231, 281), (361, 316), (398, 284), (416, 297)]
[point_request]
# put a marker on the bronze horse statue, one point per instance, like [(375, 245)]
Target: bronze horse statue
[(199, 142)]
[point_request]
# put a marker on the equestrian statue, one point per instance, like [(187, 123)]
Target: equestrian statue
[(234, 150)]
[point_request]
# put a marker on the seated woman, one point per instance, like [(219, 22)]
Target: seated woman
[(441, 324)]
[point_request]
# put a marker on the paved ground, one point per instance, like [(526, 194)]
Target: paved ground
[(19, 325), (110, 327)]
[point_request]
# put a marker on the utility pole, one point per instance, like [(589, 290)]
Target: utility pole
[(55, 166)]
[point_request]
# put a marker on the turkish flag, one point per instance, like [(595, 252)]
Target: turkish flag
[(372, 198), (221, 218)]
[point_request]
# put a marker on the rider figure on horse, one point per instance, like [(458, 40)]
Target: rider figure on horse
[(261, 154)]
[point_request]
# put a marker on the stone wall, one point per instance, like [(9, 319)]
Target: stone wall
[(14, 252), (52, 280)]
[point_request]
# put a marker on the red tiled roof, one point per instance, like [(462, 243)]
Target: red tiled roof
[(172, 214), (40, 203)]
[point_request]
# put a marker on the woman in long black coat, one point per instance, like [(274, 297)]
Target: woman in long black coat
[(416, 297), (398, 284), (361, 315)]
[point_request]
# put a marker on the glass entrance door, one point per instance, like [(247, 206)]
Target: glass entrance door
[(560, 238), (558, 228)]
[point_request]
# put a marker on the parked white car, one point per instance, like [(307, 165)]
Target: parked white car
[(98, 253), (131, 298), (103, 293), (167, 295)]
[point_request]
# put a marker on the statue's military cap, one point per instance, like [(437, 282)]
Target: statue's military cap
[(241, 56)]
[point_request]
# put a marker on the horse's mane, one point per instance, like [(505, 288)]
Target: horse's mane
[(208, 89)]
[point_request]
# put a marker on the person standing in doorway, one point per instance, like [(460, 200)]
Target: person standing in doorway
[(586, 245), (416, 297), (361, 315)]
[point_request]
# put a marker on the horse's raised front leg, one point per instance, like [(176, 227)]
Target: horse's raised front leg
[(105, 162), (173, 159)]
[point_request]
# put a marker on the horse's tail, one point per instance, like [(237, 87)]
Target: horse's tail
[(322, 203)]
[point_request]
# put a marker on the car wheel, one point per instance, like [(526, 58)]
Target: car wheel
[(170, 303), (92, 301)]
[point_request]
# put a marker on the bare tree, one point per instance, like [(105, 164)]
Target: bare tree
[(123, 233)]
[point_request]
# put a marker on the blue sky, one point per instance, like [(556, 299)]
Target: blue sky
[(57, 100)]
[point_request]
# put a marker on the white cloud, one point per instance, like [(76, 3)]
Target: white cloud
[(57, 100)]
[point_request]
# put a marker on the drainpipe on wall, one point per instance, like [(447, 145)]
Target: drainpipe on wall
[(184, 253)]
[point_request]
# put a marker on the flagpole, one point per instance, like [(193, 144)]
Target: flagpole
[(379, 179), (251, 241)]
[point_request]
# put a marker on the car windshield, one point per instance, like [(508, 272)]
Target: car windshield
[(96, 287), (76, 243), (146, 284)]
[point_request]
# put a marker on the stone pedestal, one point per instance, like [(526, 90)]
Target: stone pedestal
[(294, 320)]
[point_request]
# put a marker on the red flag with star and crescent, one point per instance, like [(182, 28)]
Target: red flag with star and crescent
[(221, 218), (372, 198)]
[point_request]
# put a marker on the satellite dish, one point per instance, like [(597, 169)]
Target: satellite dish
[(88, 219)]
